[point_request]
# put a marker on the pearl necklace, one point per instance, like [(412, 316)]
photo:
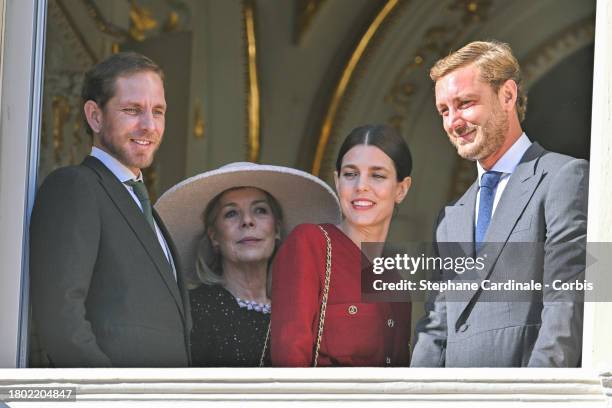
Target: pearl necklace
[(252, 305)]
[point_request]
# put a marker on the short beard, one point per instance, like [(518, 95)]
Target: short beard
[(489, 139), (125, 159)]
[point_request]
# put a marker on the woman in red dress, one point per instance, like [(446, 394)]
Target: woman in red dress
[(372, 176)]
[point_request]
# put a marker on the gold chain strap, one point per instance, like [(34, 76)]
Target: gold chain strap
[(328, 260), (263, 352)]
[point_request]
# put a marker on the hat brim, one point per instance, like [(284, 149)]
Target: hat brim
[(303, 198)]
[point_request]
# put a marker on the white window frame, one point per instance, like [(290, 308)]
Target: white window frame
[(23, 48), (20, 111)]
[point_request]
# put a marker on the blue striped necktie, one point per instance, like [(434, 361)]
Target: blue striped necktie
[(488, 186)]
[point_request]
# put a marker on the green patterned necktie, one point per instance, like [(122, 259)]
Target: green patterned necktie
[(141, 193)]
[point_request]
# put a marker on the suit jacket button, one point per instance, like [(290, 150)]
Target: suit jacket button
[(390, 323), (463, 327), (352, 309)]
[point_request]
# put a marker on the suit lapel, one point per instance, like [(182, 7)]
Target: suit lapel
[(180, 282), (458, 240), (520, 188), (137, 222), (177, 264), (460, 222)]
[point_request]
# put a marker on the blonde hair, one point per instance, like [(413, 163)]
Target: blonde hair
[(495, 62)]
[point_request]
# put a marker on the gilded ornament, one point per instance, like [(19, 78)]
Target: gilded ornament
[(345, 79), (140, 21), (253, 98)]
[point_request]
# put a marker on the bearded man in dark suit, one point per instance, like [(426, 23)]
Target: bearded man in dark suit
[(106, 286)]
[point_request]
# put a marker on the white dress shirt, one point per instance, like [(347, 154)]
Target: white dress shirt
[(505, 165), (124, 174)]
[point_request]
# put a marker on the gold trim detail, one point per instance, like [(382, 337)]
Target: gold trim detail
[(141, 21), (345, 79), (102, 23), (253, 99)]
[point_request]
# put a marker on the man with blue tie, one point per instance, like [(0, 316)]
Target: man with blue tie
[(106, 286), (523, 194)]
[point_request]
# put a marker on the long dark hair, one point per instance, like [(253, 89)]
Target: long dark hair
[(386, 139)]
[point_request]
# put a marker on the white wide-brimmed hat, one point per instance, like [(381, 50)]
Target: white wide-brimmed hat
[(303, 198)]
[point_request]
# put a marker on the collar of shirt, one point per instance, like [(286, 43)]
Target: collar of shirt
[(115, 166), (508, 162)]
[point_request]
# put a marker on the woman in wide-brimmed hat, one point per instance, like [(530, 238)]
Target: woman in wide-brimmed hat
[(227, 224)]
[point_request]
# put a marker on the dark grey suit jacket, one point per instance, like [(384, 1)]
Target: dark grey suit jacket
[(539, 226), (102, 291)]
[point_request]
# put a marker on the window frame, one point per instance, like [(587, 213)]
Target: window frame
[(21, 96)]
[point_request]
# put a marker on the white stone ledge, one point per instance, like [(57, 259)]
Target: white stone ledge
[(273, 387)]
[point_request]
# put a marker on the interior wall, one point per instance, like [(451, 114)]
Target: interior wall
[(219, 81), (207, 123), (430, 30), (172, 52), (298, 76), (297, 79)]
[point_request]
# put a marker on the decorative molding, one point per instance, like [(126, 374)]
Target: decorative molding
[(141, 21), (70, 30), (103, 25), (437, 41), (560, 46), (253, 98), (606, 383), (343, 83), (360, 387), (62, 105)]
